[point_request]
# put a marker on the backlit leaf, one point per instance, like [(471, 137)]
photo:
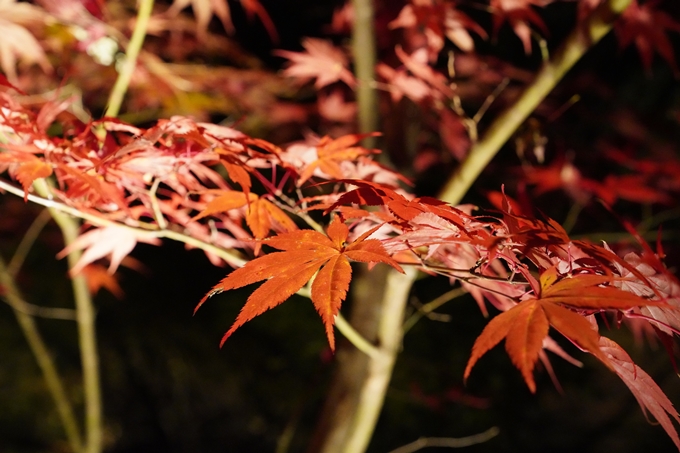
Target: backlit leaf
[(304, 253)]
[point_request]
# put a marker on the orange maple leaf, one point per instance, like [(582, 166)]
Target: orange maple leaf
[(262, 215), (526, 325), (332, 152), (304, 252), (25, 167)]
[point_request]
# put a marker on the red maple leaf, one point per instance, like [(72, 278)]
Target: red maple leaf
[(519, 15), (526, 325), (648, 394), (417, 64), (321, 61), (304, 253), (204, 10), (439, 19), (647, 27)]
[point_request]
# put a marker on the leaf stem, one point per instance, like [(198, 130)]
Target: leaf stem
[(432, 306), (355, 337)]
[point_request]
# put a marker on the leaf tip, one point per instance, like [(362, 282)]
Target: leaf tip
[(224, 338), (210, 293), (331, 337)]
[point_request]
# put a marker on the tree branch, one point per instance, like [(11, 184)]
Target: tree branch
[(131, 54), (87, 337), (498, 133), (448, 442), (364, 53), (141, 228), (374, 385)]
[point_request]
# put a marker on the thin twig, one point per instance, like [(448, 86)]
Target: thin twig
[(67, 314), (54, 385), (429, 307), (490, 99), (141, 228), (27, 242), (355, 337), (158, 215), (448, 442), (345, 328)]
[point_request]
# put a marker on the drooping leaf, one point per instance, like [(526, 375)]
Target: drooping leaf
[(99, 277), (114, 241), (519, 14), (525, 326), (203, 11), (648, 394)]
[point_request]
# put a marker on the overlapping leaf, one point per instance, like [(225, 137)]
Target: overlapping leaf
[(25, 167), (331, 153), (261, 215), (525, 326), (303, 254)]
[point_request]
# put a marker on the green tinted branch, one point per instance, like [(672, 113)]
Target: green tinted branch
[(577, 43), (87, 338), (54, 385), (131, 54)]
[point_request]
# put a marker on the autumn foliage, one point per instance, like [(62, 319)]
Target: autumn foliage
[(294, 217)]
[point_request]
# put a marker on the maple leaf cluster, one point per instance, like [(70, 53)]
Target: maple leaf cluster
[(196, 179)]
